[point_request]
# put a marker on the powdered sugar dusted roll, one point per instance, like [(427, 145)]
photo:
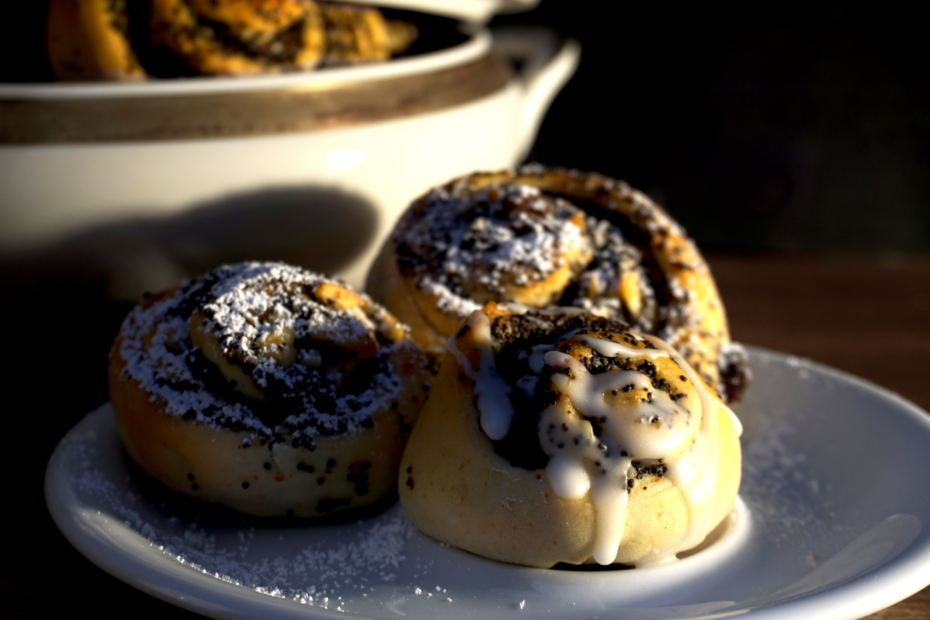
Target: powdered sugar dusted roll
[(269, 389), (549, 237), (560, 436)]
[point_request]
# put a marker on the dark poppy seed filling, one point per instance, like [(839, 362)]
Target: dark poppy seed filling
[(514, 340), (513, 337), (279, 353)]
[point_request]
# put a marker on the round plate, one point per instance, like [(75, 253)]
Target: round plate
[(832, 523)]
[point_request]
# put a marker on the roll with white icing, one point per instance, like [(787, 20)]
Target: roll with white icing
[(559, 436)]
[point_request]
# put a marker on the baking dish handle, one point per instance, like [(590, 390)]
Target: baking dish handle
[(545, 62)]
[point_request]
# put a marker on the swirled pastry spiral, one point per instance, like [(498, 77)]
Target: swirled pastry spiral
[(560, 436), (268, 389), (553, 237)]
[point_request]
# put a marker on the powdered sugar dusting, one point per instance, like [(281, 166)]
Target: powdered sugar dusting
[(349, 559), (783, 485), (460, 243), (255, 301), (447, 300), (370, 554), (777, 484), (161, 364), (257, 311)]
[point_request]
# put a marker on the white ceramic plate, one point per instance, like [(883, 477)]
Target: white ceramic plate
[(833, 523)]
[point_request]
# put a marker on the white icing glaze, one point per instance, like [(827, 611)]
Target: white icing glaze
[(706, 397), (653, 428), (492, 391), (691, 473), (610, 499), (568, 477), (680, 433)]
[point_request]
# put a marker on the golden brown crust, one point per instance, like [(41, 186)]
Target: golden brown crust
[(270, 472), (90, 40), (356, 35), (690, 315), (463, 493), (87, 40), (400, 35), (273, 35), (251, 19), (386, 285), (211, 464), (251, 46), (457, 488)]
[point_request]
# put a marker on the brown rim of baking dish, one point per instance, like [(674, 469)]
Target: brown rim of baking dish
[(252, 106)]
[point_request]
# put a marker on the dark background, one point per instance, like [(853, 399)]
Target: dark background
[(759, 125), (763, 127)]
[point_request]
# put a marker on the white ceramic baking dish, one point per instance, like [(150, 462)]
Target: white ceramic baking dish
[(160, 179)]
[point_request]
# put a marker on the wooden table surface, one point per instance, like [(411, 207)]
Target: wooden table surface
[(813, 307), (824, 309)]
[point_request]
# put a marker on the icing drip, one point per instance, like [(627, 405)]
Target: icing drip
[(601, 425), (654, 428), (492, 391)]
